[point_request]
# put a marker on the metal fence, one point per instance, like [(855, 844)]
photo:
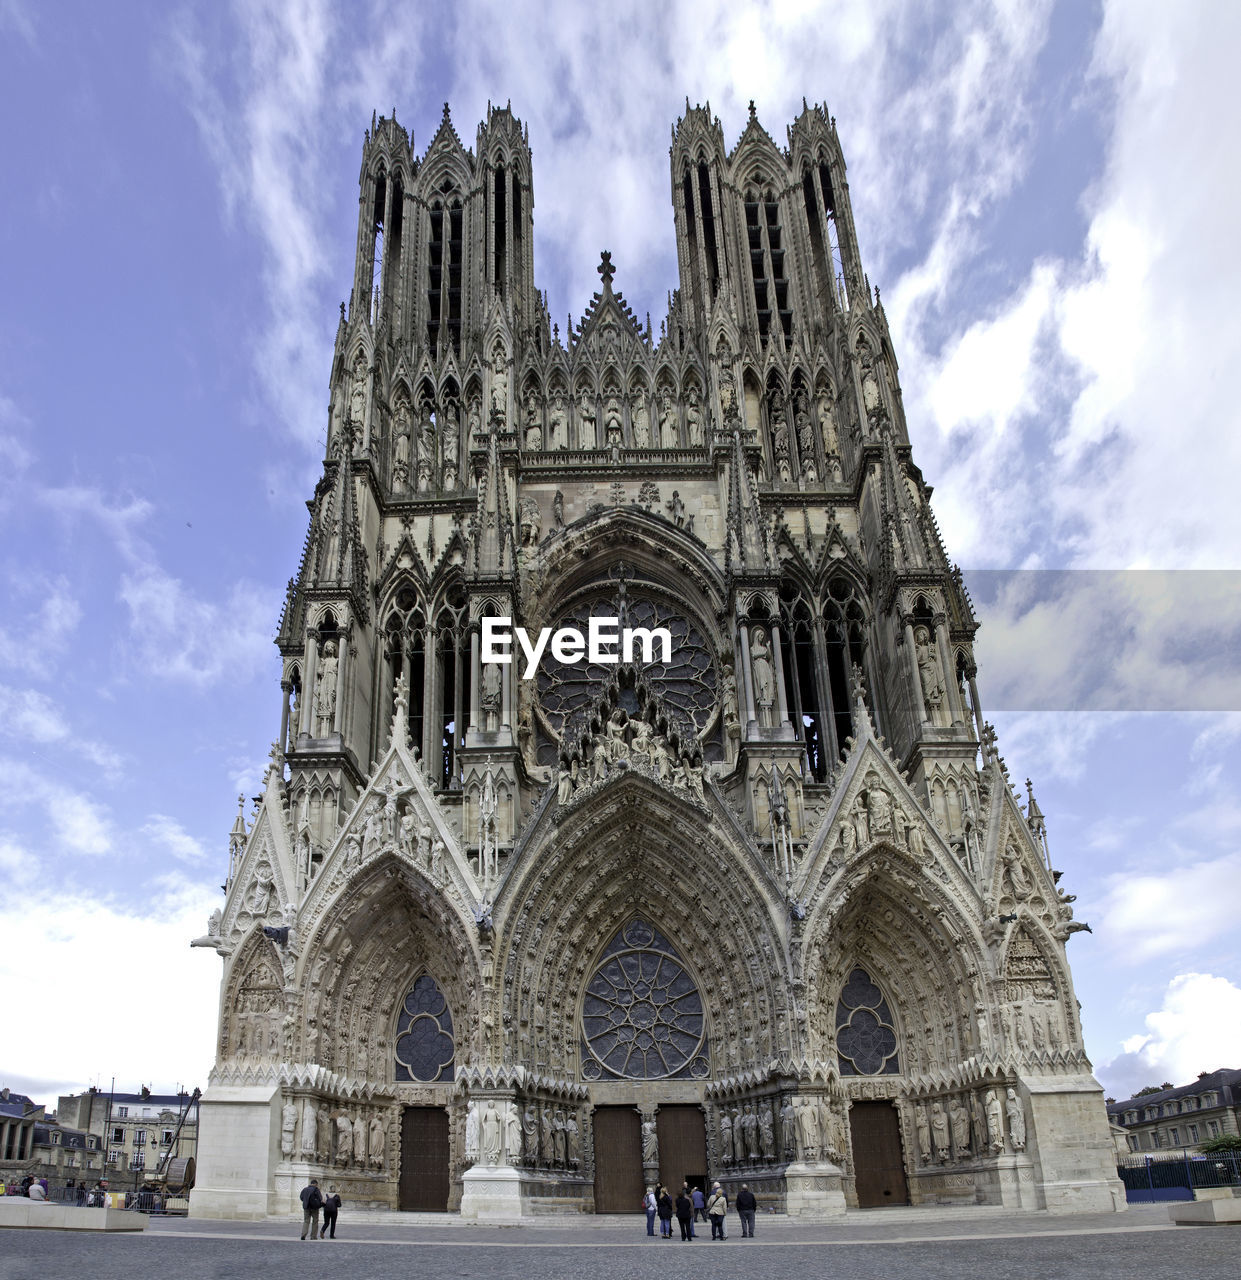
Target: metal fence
[(1176, 1175), (153, 1202)]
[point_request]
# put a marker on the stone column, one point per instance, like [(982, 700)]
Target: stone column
[(747, 682), (430, 711), (287, 690), (476, 671), (344, 671), (971, 676), (777, 659), (308, 682), (911, 648), (506, 698), (951, 688)]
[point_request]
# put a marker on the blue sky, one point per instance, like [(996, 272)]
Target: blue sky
[(1047, 195)]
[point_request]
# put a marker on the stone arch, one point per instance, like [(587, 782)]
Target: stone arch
[(381, 929), (254, 1003), (1036, 986), (640, 851), (917, 943)]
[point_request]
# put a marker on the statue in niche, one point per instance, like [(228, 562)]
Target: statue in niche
[(357, 404), (378, 1142), (534, 427), (493, 687), (693, 417), (558, 422), (995, 1122), (749, 1130), (728, 392), (661, 760), (618, 749), (530, 1133), (546, 1140), (669, 435), (640, 420), (573, 1140), (650, 1141), (372, 829), (613, 430), (827, 422), (310, 1130), (780, 435), (640, 747), (261, 891), (586, 420), (693, 777), (764, 675), (344, 1140), (728, 702), (438, 850), (929, 676), (559, 1138), (960, 1128), (451, 445), (924, 1132), (499, 390), (788, 1129), (359, 1141), (878, 808), (872, 397), (599, 759), (512, 1133), (401, 445), (766, 1131), (805, 438), (288, 1126), (473, 421), (472, 1124), (726, 1136), (530, 523), (489, 1141), (565, 784), (808, 1122), (939, 1129), (325, 690), (353, 852), (676, 509), (558, 510), (1016, 1121), (424, 447), (1014, 874)]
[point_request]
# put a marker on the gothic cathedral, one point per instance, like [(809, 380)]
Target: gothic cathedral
[(759, 903)]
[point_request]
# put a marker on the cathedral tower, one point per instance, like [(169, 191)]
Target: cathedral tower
[(758, 904)]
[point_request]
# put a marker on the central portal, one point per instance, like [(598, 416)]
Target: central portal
[(618, 1160), (878, 1160), (682, 1147)]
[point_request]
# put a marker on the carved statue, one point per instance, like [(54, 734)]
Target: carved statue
[(531, 523), (401, 447), (693, 417), (357, 403), (534, 428), (726, 1136), (878, 808), (530, 1133), (325, 691), (1016, 1120), (379, 1142), (995, 1122), (344, 1140), (618, 748), (808, 1122), (827, 422), (558, 422), (929, 676), (310, 1130), (471, 1131), (261, 891), (586, 420), (612, 429), (924, 1132), (558, 510), (372, 829), (939, 1128), (438, 850), (766, 1131), (359, 1141), (599, 759), (489, 701), (489, 1142), (288, 1126), (668, 432), (499, 394), (558, 1138), (749, 1131), (512, 1133), (451, 445), (573, 1140), (661, 761), (676, 509), (764, 675), (650, 1141), (788, 1129), (960, 1128), (640, 421), (547, 1140)]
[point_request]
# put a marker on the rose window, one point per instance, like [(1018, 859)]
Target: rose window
[(642, 1016)]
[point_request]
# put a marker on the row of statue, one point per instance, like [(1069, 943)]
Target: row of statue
[(543, 1136), (392, 821), (963, 1127), (346, 1139), (622, 742), (809, 1129), (874, 815)]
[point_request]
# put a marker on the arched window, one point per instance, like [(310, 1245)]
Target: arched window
[(404, 655), (865, 1034), (801, 679), (453, 685), (425, 1049), (444, 270), (766, 246)]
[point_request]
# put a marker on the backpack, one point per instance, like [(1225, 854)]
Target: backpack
[(315, 1199)]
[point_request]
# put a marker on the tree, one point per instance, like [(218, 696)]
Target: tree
[(1151, 1088), (1228, 1142)]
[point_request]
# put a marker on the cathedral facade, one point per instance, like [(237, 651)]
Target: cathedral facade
[(750, 897)]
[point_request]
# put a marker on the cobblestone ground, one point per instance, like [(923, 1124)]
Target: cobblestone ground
[(884, 1246)]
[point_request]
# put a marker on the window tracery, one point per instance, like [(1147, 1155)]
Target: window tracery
[(865, 1036), (425, 1049)]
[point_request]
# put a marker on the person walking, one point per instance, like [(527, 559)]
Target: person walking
[(746, 1205), (700, 1204), (312, 1202), (717, 1211), (650, 1202), (665, 1213), (685, 1214), (331, 1207)]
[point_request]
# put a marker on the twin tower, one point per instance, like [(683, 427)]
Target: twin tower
[(758, 904)]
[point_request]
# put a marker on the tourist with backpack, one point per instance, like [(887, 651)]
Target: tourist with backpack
[(312, 1202)]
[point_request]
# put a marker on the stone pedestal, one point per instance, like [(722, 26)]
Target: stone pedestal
[(491, 1193), (814, 1191), (238, 1147)]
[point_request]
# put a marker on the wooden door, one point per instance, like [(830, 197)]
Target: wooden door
[(424, 1159), (618, 1160), (878, 1161), (682, 1147)]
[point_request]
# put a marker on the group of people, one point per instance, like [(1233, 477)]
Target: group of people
[(313, 1200), (694, 1205)]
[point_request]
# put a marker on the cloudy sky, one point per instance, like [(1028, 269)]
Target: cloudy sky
[(1047, 195)]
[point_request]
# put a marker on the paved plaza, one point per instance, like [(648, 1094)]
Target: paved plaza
[(988, 1244)]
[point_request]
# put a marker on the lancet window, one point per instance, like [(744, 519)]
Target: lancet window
[(425, 1049), (802, 678), (766, 247), (444, 271), (865, 1032), (404, 655), (452, 667), (820, 203)]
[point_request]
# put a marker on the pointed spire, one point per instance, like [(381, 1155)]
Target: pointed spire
[(239, 832)]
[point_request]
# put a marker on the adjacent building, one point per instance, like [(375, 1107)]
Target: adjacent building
[(753, 898), (1184, 1117)]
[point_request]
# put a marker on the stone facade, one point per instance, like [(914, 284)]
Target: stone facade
[(1176, 1119), (764, 908)]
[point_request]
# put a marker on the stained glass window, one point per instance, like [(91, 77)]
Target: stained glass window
[(642, 1018), (865, 1036), (424, 1043)]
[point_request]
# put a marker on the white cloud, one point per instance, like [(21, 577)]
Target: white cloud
[(182, 637), (1197, 1028), (44, 633), (171, 838), (30, 716), (76, 822), (56, 945), (1177, 910)]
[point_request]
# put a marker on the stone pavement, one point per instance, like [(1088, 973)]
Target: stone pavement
[(884, 1244)]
